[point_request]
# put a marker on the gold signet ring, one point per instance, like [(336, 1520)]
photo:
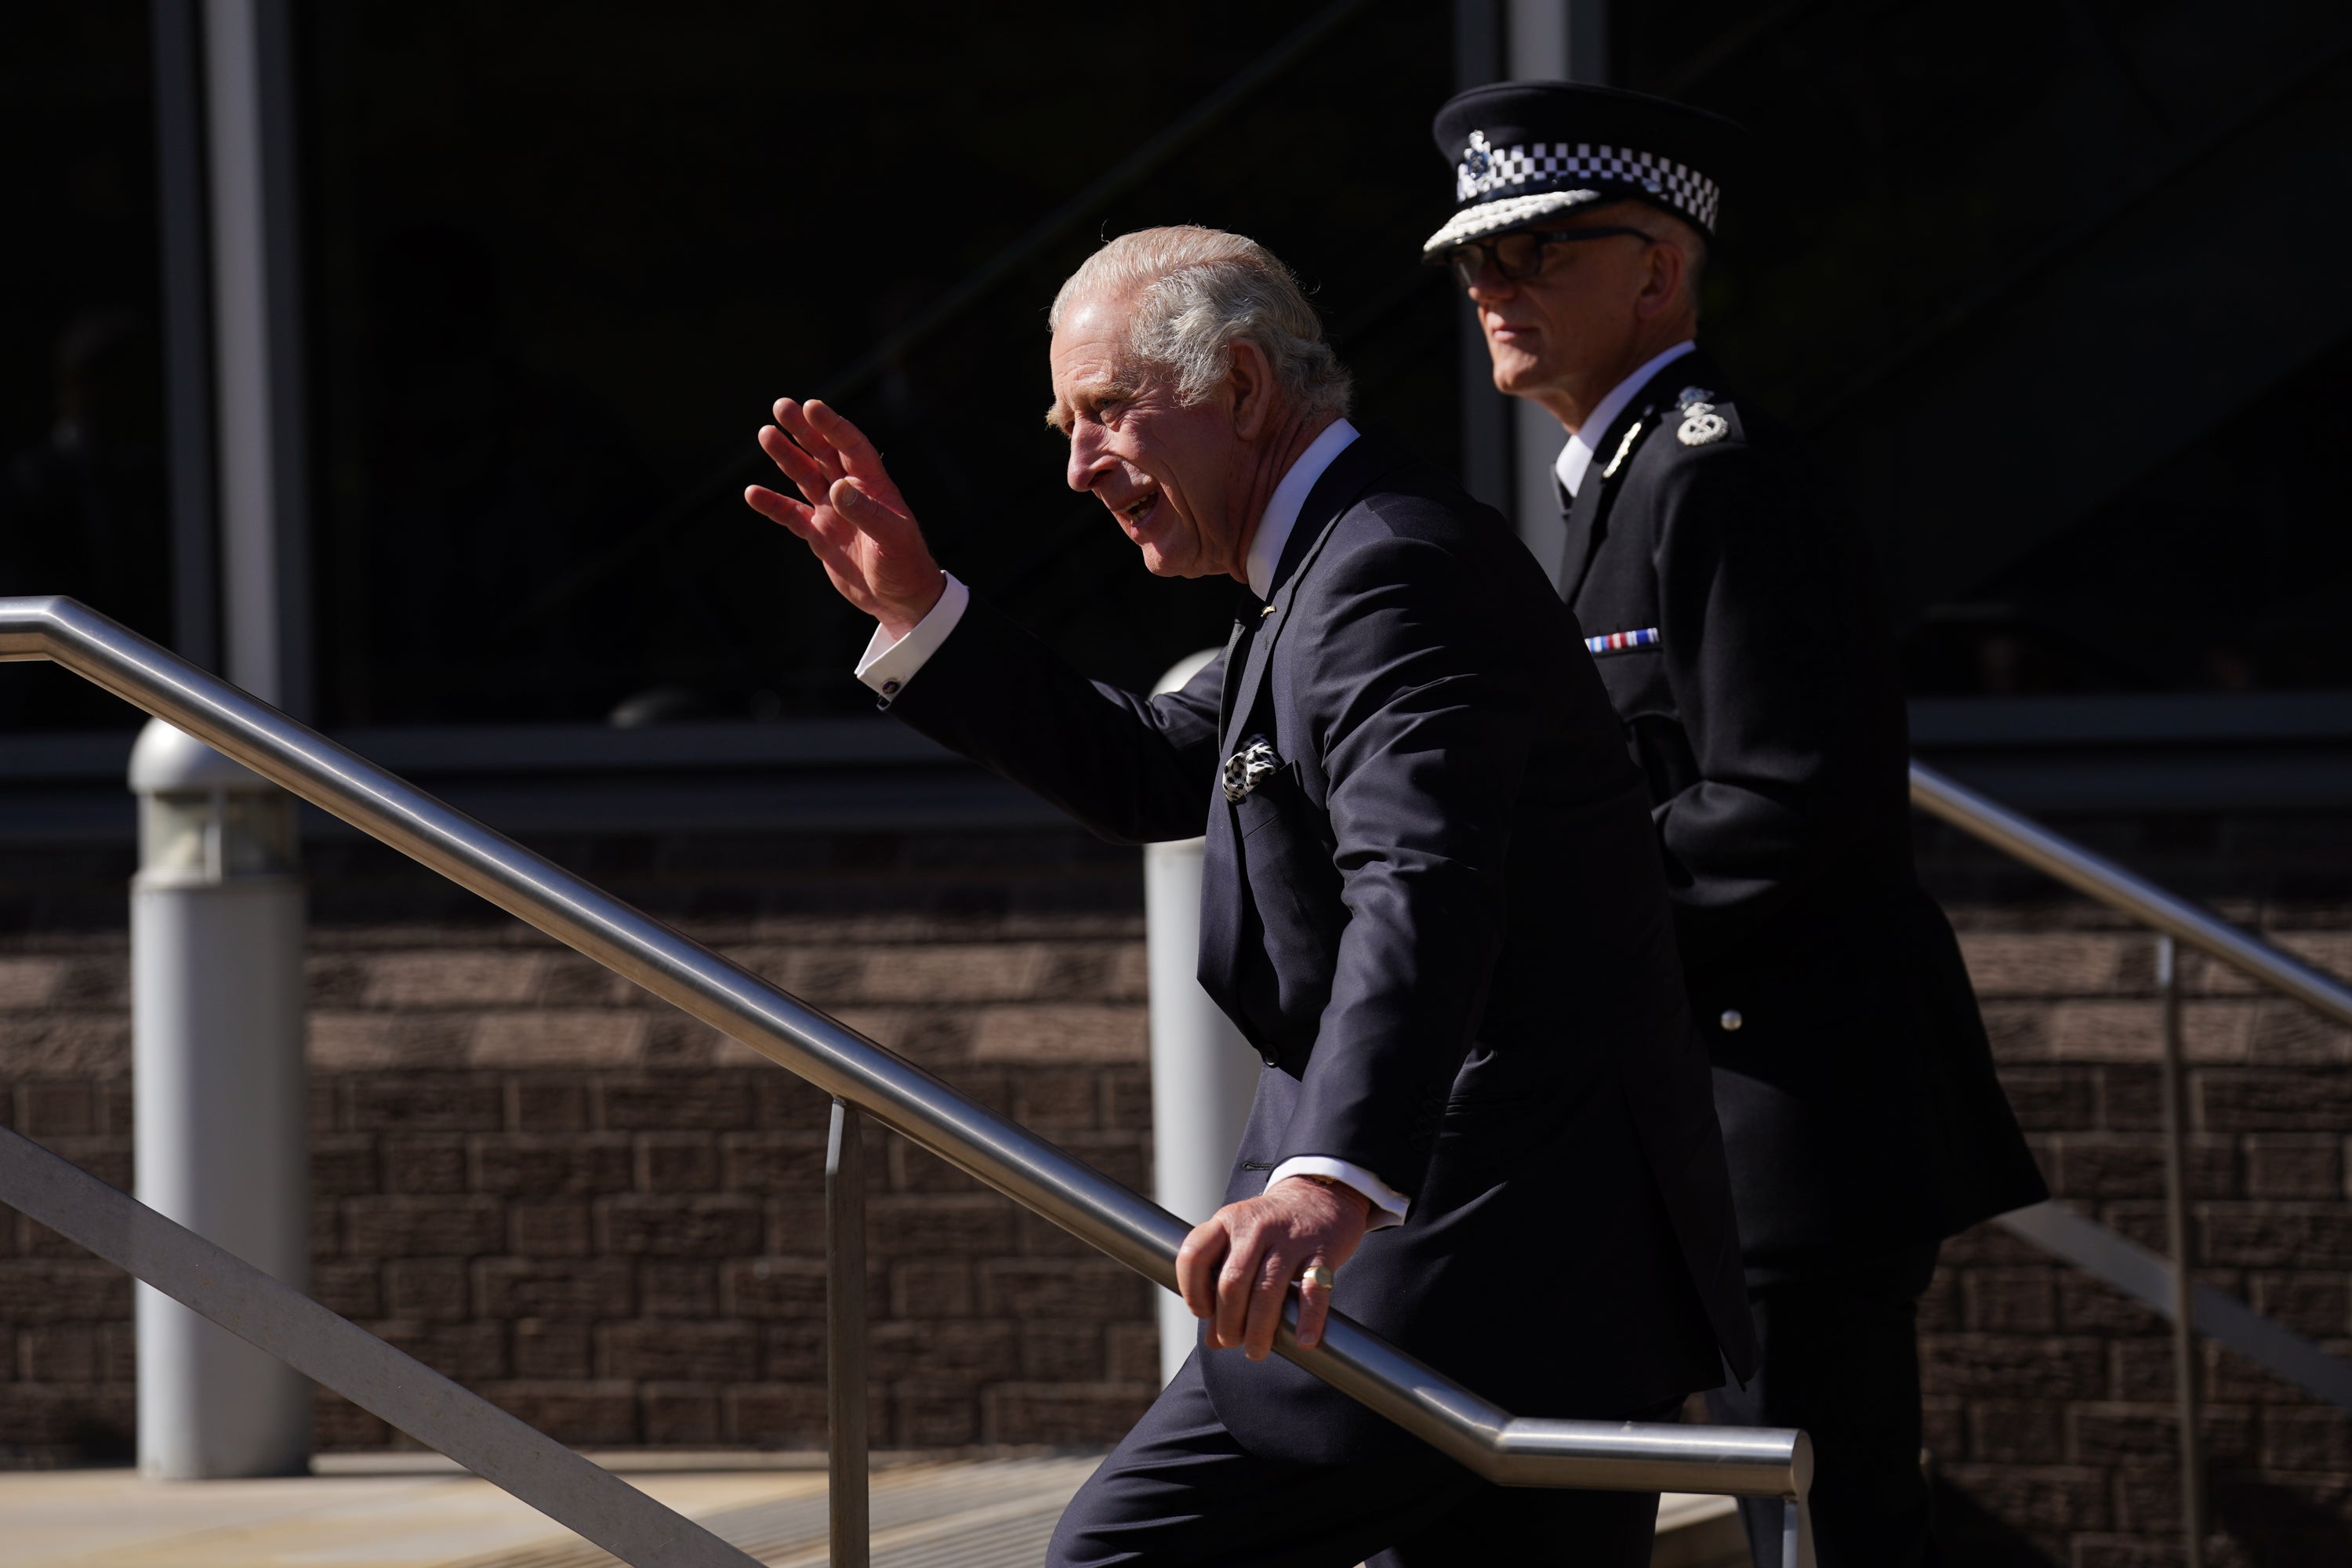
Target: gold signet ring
[(1318, 1275)]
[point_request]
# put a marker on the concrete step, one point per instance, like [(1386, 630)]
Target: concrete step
[(420, 1511), (1698, 1531)]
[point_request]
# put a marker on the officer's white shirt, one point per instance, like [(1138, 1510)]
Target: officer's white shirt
[(889, 663), (1576, 457)]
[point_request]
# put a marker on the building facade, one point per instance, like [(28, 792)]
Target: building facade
[(431, 434)]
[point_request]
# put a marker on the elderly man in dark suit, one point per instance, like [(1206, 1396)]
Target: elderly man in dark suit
[(1732, 613), (1431, 902)]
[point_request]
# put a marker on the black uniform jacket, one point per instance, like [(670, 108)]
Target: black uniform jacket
[(1441, 921), (1759, 693)]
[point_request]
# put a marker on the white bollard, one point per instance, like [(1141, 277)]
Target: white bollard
[(1203, 1074), (218, 1103)]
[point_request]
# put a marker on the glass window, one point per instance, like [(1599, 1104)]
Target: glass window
[(1943, 187), (82, 492), (558, 274), (2228, 568)]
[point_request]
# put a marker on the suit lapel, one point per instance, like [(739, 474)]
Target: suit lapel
[(1588, 516), (1365, 459), (1237, 642), (1584, 530), (1225, 891)]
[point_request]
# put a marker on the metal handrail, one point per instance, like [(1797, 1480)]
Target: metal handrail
[(2022, 838), (1484, 1438), (2092, 1247), (275, 1317)]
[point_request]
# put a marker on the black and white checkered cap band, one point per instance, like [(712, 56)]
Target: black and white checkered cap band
[(1567, 163)]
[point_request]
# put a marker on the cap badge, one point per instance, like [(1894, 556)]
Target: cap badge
[(1479, 155), (1690, 395), (1701, 424)]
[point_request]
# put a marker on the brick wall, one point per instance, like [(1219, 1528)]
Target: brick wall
[(2049, 1397), (608, 1219)]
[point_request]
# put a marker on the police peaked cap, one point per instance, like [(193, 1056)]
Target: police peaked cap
[(1524, 151)]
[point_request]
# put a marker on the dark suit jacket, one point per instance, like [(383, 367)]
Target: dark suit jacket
[(1856, 1090), (1442, 923)]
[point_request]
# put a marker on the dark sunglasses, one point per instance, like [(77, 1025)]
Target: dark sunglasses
[(1518, 255)]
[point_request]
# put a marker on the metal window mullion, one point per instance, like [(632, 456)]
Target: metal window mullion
[(186, 278)]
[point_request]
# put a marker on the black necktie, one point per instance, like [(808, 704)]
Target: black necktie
[(1246, 616)]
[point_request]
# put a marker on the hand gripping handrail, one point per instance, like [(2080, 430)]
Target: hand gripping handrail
[(1507, 1450)]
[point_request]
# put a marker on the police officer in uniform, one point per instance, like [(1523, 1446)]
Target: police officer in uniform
[(1729, 604)]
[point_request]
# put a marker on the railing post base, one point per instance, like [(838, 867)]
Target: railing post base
[(219, 1111)]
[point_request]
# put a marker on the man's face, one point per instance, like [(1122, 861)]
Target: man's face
[(1174, 477), (1572, 322)]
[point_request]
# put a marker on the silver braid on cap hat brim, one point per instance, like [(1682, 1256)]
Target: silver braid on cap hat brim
[(1494, 218), (1566, 168)]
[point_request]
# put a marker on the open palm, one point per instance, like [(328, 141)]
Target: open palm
[(850, 514)]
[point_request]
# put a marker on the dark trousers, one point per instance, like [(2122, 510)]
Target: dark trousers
[(1180, 1492), (1840, 1347)]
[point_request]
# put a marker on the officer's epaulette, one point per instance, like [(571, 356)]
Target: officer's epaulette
[(1700, 424)]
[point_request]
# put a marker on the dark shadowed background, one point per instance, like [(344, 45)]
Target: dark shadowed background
[(552, 273)]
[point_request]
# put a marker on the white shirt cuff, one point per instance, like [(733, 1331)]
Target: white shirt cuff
[(890, 663), (1387, 1204)]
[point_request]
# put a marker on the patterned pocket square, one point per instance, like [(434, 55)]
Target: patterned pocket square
[(1250, 766)]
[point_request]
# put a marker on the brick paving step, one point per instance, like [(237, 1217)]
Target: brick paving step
[(417, 1511)]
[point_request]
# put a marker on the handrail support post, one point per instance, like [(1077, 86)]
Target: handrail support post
[(844, 1339), (2175, 1218), (1796, 1533)]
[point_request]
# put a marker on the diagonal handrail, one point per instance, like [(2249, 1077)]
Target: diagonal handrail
[(2149, 1279), (2083, 1242), (2022, 838), (273, 1316), (1484, 1438)]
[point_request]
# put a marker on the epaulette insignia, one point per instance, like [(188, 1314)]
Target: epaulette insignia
[(1623, 448), (1701, 424)]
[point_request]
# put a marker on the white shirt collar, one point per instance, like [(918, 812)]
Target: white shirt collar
[(1281, 508), (1577, 456)]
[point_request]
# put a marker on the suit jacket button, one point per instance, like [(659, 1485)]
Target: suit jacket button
[(1731, 1020), (1268, 1058)]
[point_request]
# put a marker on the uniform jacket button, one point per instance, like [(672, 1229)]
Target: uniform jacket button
[(1731, 1020)]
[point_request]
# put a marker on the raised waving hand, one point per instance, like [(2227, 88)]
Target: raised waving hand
[(850, 514)]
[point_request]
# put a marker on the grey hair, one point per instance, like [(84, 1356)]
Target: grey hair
[(1190, 294), (1683, 235), (1691, 241)]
